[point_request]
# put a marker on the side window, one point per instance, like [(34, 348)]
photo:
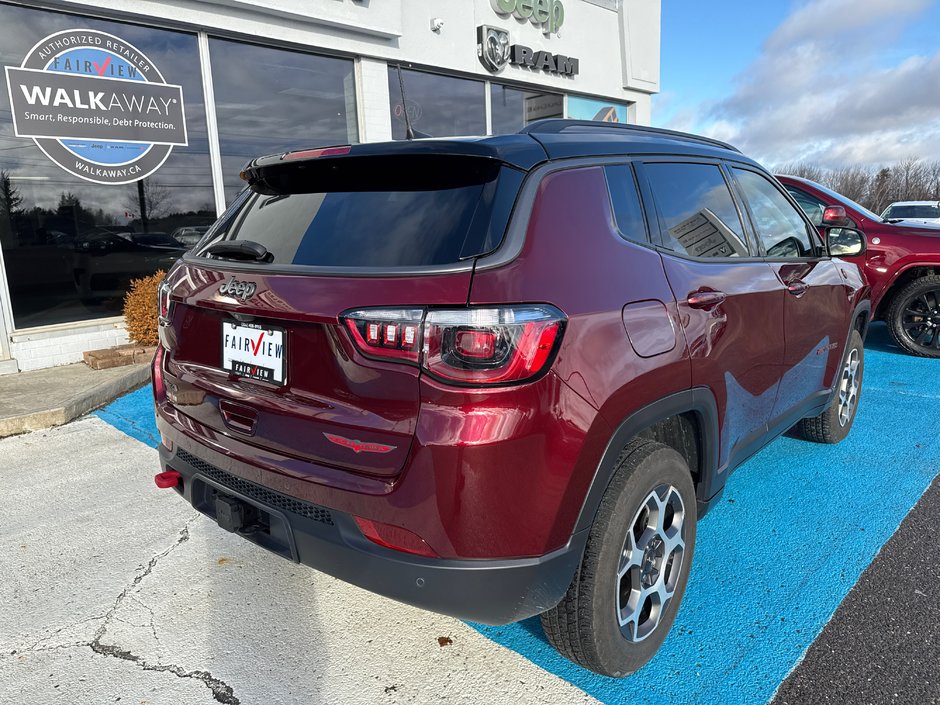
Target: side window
[(625, 199), (697, 212), (812, 206), (778, 224)]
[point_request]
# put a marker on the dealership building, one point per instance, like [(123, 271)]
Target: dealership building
[(127, 122)]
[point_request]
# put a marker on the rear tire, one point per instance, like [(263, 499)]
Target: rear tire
[(914, 317), (834, 424), (624, 597)]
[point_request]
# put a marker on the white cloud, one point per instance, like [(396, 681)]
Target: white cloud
[(818, 93)]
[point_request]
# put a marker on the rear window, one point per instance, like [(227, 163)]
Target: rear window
[(912, 212), (375, 211)]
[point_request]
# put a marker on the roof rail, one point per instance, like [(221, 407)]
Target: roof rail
[(549, 126)]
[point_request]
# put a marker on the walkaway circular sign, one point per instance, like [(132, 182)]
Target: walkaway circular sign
[(96, 106)]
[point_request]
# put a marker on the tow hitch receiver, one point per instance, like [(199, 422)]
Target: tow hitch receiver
[(230, 513)]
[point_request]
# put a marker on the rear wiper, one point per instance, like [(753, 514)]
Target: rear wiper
[(242, 250)]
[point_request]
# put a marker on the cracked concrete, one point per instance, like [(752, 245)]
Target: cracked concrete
[(115, 591)]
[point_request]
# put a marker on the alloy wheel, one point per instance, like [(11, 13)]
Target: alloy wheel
[(920, 320), (651, 562), (848, 387)]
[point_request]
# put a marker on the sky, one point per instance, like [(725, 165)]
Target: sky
[(831, 82)]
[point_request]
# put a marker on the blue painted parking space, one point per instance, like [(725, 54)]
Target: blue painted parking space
[(797, 526)]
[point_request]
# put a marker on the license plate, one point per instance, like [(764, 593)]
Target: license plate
[(253, 351)]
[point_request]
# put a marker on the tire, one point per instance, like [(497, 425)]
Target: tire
[(834, 424), (587, 625), (914, 317)]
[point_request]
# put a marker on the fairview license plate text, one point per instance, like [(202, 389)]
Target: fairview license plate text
[(253, 351)]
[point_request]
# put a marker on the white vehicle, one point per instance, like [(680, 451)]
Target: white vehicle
[(915, 211)]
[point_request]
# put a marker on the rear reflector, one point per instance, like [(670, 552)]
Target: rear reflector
[(156, 373), (394, 537), (469, 346), (168, 479)]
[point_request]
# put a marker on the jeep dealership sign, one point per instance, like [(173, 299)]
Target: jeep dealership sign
[(96, 106), (548, 15)]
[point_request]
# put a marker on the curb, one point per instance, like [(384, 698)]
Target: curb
[(81, 403)]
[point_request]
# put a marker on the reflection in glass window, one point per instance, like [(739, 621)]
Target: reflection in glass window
[(513, 109), (71, 246), (697, 211), (271, 100), (778, 224), (592, 109), (439, 106)]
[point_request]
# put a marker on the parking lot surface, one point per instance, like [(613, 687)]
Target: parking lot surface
[(115, 591)]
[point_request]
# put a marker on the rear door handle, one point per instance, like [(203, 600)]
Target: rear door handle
[(706, 299), (797, 288)]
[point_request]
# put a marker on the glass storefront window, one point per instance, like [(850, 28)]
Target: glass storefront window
[(76, 230), (514, 108), (592, 109), (439, 106), (271, 100)]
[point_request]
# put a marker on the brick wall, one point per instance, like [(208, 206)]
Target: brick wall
[(39, 349)]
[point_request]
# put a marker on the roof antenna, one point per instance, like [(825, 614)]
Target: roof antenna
[(410, 133)]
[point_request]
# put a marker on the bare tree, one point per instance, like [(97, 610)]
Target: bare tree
[(851, 181), (804, 170), (147, 199)]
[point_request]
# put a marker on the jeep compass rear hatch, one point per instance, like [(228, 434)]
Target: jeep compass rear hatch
[(258, 348)]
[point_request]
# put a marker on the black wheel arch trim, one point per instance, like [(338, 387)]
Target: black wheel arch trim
[(894, 284), (699, 401)]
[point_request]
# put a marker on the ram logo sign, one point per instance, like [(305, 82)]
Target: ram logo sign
[(495, 52)]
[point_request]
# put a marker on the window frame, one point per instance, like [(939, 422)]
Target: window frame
[(650, 205), (819, 248)]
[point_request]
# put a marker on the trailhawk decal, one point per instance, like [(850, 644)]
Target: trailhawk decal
[(359, 446), (96, 106)]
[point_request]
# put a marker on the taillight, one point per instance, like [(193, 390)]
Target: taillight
[(317, 153), (391, 333), (163, 304), (471, 346)]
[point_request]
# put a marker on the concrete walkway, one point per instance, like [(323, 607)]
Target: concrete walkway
[(117, 592), (30, 401)]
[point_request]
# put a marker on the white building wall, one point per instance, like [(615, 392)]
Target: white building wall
[(375, 123), (616, 42), (39, 348)]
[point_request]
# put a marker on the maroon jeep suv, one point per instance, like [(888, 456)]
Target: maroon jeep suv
[(902, 263), (500, 377)]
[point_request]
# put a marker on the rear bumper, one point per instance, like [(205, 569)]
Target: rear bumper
[(486, 591)]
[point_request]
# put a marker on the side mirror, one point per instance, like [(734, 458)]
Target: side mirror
[(835, 215), (845, 242)]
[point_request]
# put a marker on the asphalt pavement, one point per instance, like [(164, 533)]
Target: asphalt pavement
[(883, 643)]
